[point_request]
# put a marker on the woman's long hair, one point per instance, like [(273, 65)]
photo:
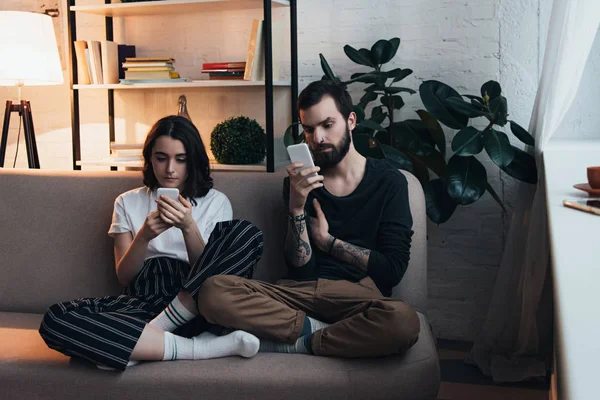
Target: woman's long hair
[(198, 181)]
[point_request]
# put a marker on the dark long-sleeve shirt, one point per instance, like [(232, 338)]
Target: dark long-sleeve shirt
[(376, 216)]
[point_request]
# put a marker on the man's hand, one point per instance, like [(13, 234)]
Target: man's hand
[(174, 213), (301, 185), (153, 226), (319, 231)]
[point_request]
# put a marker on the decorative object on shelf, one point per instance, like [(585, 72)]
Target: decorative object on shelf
[(182, 107), (238, 140), (30, 58), (419, 145)]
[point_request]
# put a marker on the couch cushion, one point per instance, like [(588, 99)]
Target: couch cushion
[(29, 369)]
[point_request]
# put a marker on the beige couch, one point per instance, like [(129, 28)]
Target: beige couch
[(54, 247)]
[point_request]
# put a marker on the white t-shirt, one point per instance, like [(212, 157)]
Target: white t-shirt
[(132, 208)]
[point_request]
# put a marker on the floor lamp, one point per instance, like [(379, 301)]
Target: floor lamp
[(28, 57)]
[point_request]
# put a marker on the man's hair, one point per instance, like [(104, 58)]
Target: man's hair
[(198, 181), (315, 91)]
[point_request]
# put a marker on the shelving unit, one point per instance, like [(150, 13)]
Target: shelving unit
[(163, 7)]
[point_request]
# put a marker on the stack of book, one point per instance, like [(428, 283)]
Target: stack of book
[(150, 70), (126, 152), (224, 70)]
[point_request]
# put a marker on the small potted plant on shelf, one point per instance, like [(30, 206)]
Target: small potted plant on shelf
[(238, 140), (419, 145)]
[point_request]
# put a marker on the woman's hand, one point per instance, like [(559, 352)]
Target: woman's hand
[(301, 184), (153, 226), (174, 213)]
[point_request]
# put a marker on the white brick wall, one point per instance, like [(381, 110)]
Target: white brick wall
[(463, 43)]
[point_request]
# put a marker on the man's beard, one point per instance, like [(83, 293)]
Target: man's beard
[(330, 159)]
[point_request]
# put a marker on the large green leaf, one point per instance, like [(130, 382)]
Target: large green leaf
[(395, 42), (467, 142), (327, 69), (360, 113), (435, 130), (471, 97), (461, 107), (493, 193), (499, 108), (398, 74), (368, 77), (397, 158), (466, 179), (395, 102), (409, 139), (498, 147), (375, 87), (433, 94), (440, 206), (420, 170), (368, 146), (391, 89), (435, 161), (490, 90), (361, 56), (521, 133), (377, 114), (522, 167), (367, 98), (380, 52)]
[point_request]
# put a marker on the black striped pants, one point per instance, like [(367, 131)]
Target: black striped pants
[(105, 330)]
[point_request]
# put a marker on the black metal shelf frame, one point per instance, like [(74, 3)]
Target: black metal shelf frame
[(268, 45)]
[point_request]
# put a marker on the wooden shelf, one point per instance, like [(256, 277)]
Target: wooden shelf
[(170, 7), (192, 84), (214, 166)]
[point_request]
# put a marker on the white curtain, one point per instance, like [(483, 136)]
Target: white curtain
[(511, 343)]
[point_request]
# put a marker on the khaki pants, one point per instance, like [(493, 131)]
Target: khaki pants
[(364, 323)]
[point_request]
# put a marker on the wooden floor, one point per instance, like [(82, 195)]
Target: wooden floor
[(465, 382)]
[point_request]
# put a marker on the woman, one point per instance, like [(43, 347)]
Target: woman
[(164, 251)]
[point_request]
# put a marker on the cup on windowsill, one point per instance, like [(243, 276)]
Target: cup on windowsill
[(593, 175)]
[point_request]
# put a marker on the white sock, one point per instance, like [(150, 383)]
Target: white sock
[(207, 345), (237, 343), (178, 348), (172, 317), (315, 324)]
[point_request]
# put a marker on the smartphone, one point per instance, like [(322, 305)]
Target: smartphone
[(172, 193), (301, 153)]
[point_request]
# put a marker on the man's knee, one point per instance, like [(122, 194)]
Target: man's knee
[(404, 326), (214, 295)]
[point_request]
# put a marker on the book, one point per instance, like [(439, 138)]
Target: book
[(95, 62), (224, 65), (126, 146), (233, 78), (142, 69), (149, 59), (254, 51), (130, 64), (150, 81), (222, 70), (228, 73), (151, 75), (83, 70), (125, 51), (110, 61)]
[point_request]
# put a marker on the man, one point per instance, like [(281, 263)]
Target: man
[(347, 246)]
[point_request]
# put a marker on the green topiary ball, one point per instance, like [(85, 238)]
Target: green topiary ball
[(238, 140)]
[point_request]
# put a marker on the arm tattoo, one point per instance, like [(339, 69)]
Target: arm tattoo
[(353, 255), (302, 248), (298, 249)]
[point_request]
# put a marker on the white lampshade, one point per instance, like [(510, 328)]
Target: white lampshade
[(28, 50)]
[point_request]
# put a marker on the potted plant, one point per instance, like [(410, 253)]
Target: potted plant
[(238, 140), (419, 145)]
